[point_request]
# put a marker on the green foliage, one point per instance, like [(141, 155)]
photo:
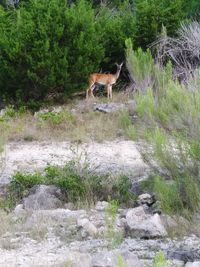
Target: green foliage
[(116, 26), (192, 8), (168, 118), (56, 117), (168, 195), (140, 66), (77, 185), (160, 260), (120, 261), (152, 14), (47, 45), (50, 46), (112, 234)]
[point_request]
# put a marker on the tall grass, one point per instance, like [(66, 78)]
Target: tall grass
[(168, 118)]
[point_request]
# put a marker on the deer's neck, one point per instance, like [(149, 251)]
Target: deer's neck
[(117, 74)]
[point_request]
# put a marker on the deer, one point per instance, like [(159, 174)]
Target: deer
[(104, 79)]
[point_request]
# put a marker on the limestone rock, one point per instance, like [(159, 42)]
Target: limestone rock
[(101, 205), (193, 264), (114, 258), (145, 199), (43, 197), (109, 108), (89, 227), (144, 225)]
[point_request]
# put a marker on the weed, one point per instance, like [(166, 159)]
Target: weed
[(120, 261), (56, 117), (114, 236), (160, 260)]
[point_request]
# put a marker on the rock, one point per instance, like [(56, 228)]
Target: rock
[(177, 263), (43, 197), (114, 258), (109, 108), (184, 255), (193, 264), (145, 199), (89, 227), (136, 188), (19, 211), (101, 205), (144, 225), (173, 222)]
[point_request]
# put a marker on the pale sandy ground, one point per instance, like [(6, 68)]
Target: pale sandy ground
[(106, 157)]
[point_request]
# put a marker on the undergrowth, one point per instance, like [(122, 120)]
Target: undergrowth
[(167, 118), (78, 186)]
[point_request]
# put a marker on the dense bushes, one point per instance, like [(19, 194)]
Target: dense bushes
[(50, 46), (152, 14), (47, 45)]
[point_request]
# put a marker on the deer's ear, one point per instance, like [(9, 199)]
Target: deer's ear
[(121, 64)]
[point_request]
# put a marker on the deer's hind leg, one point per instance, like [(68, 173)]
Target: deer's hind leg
[(109, 91)]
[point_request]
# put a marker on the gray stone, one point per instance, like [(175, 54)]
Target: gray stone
[(145, 199), (43, 197), (114, 258), (109, 107), (144, 225), (89, 227), (101, 205), (186, 255)]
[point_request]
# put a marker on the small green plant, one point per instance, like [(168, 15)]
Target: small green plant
[(120, 261), (56, 117), (115, 237), (160, 260)]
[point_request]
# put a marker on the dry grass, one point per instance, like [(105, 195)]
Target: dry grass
[(81, 124)]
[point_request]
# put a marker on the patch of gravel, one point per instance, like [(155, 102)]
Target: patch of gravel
[(106, 157)]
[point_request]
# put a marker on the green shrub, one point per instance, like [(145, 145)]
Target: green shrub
[(152, 14), (160, 260), (168, 119), (77, 185), (56, 117), (47, 45)]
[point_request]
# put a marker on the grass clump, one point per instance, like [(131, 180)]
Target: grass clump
[(56, 117), (160, 260)]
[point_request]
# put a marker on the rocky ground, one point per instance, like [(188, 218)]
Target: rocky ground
[(41, 231)]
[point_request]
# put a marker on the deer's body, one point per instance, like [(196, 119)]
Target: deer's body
[(104, 79)]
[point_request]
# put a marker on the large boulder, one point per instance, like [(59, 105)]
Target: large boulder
[(43, 197), (140, 224)]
